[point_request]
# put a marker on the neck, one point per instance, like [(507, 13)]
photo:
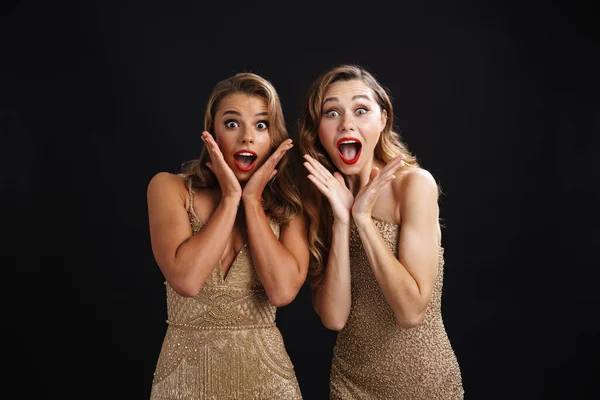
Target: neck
[(360, 180)]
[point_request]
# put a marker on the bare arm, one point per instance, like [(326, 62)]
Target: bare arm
[(407, 282), (332, 297), (281, 265), (185, 260)]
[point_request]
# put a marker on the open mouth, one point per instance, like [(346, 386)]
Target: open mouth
[(245, 159), (349, 150)]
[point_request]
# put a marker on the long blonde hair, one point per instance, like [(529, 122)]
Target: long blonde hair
[(390, 145), (280, 198)]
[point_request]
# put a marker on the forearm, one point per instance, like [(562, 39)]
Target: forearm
[(332, 296), (275, 266), (398, 286), (196, 257)]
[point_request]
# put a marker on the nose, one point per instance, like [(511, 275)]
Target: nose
[(247, 136), (347, 123)]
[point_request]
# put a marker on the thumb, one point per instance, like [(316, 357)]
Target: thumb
[(273, 173), (209, 165)]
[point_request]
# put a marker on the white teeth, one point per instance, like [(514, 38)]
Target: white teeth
[(349, 141), (245, 154)]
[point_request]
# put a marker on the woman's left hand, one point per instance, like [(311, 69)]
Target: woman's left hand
[(257, 182), (366, 197)]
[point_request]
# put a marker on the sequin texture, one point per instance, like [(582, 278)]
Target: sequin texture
[(376, 359)]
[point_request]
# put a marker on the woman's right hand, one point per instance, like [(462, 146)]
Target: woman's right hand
[(333, 188), (229, 184)]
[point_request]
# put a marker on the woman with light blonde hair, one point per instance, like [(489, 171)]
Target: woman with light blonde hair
[(230, 238), (375, 239)]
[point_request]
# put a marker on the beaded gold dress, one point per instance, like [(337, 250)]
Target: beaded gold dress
[(376, 359), (223, 343)]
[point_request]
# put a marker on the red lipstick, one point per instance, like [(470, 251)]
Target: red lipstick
[(353, 152), (245, 159)]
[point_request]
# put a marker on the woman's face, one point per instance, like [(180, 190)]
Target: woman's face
[(351, 124), (242, 132)]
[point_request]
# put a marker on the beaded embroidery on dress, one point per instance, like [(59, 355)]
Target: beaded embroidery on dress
[(376, 359)]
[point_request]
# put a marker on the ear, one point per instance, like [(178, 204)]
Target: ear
[(384, 117)]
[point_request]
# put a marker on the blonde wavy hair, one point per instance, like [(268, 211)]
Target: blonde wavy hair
[(281, 198), (390, 145)]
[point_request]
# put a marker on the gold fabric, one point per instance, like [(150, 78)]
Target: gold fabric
[(223, 343), (376, 359)]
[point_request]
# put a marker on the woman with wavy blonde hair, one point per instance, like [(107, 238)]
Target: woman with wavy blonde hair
[(230, 238), (375, 240)]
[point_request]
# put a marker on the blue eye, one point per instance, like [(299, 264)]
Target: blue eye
[(231, 124), (332, 113), (361, 111)]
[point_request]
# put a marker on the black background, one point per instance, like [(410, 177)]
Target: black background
[(500, 103)]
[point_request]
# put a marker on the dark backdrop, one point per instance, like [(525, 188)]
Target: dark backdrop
[(500, 103)]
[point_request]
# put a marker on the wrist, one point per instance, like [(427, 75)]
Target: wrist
[(250, 198), (343, 220), (361, 219), (252, 201)]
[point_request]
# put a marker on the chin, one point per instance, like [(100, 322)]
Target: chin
[(346, 169), (243, 176)]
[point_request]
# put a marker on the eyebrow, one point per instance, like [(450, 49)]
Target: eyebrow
[(262, 114), (358, 96)]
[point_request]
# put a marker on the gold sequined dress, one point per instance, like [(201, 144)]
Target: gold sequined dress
[(223, 343), (376, 359)]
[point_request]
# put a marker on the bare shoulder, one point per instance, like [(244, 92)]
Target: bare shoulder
[(415, 182), (165, 181), (166, 195)]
